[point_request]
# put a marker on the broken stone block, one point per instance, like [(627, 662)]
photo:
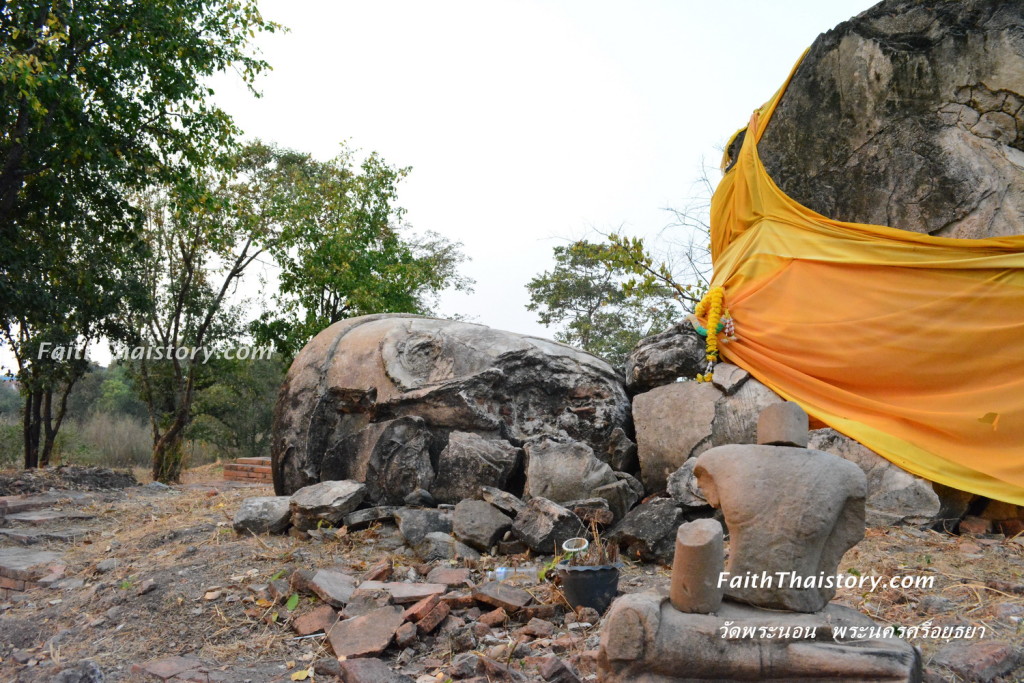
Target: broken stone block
[(645, 639), (894, 495), (403, 593), (683, 487), (470, 461), (328, 501), (621, 495), (449, 576), (788, 510), (545, 525), (166, 667), (415, 523), (591, 510), (728, 378), (332, 587), (479, 524), (697, 567), (363, 601), (502, 595), (563, 471), (367, 635), (321, 618), (360, 519), (432, 619), (981, 660), (263, 515), (673, 423), (437, 546), (782, 424), (736, 415), (554, 670), (369, 671), (648, 531), (663, 358), (503, 500)]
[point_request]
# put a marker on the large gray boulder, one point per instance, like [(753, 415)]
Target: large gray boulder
[(911, 115), (375, 399), (894, 495)]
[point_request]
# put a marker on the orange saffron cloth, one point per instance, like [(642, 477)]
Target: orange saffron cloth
[(912, 345)]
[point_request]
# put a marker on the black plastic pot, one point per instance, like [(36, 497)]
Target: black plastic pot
[(590, 586)]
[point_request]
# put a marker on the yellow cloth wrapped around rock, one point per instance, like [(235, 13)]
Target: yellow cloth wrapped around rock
[(911, 344)]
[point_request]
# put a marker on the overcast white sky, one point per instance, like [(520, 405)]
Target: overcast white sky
[(526, 122)]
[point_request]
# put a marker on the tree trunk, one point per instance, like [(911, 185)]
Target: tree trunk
[(30, 428), (169, 454)]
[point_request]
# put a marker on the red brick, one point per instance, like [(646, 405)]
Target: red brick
[(367, 635), (320, 619), (12, 584), (434, 618), (494, 618), (975, 525), (421, 608)]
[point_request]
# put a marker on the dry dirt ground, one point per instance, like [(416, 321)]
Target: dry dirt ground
[(160, 572)]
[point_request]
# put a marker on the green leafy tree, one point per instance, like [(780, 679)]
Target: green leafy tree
[(203, 235), (234, 412), (345, 252), (599, 301), (98, 98)]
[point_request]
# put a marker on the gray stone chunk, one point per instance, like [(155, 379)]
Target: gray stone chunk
[(415, 523), (437, 546), (894, 495), (782, 424), (503, 500), (479, 524), (334, 588), (673, 423), (648, 531), (470, 461), (328, 501), (263, 515), (363, 518), (561, 471), (683, 487), (545, 525)]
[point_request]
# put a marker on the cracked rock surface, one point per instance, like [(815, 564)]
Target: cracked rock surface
[(910, 115)]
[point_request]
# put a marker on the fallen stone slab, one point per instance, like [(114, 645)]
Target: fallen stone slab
[(360, 519), (403, 593), (502, 595), (645, 639), (334, 588), (449, 576), (37, 517), (321, 618), (27, 565), (369, 671), (165, 668), (545, 525), (648, 531), (470, 461), (479, 524), (563, 471), (437, 546), (415, 523), (328, 501), (33, 536), (978, 660), (263, 515), (367, 635)]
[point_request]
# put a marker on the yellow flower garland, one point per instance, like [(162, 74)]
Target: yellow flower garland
[(711, 305)]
